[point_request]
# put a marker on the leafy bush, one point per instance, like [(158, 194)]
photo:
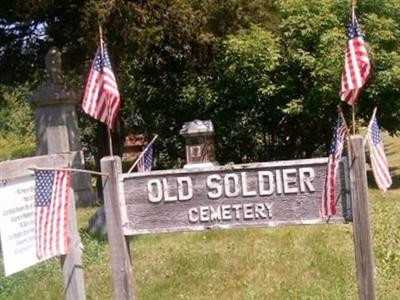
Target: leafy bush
[(17, 135)]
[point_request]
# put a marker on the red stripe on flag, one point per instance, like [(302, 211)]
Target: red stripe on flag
[(379, 163), (102, 100), (52, 193), (357, 66), (328, 198)]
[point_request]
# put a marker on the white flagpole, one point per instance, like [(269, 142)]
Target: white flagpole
[(141, 154), (369, 126)]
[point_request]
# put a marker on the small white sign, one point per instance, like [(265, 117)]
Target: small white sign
[(17, 224)]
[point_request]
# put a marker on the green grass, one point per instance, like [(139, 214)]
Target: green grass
[(303, 262), (282, 263), (385, 212)]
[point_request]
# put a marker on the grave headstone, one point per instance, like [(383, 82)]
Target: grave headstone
[(199, 144)]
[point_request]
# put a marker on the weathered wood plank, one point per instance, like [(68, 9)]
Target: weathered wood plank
[(221, 197), (120, 263), (361, 222), (10, 169), (300, 162), (74, 288), (74, 285), (345, 189)]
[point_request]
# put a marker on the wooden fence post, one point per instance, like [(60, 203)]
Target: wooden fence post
[(121, 269), (361, 223), (74, 284)]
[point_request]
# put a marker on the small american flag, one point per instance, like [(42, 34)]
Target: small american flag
[(146, 161), (52, 192), (328, 201), (357, 66), (380, 167), (101, 99)]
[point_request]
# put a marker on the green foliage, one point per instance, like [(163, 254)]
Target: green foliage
[(267, 73), (17, 137), (246, 93), (313, 47), (314, 43), (383, 89), (170, 79)]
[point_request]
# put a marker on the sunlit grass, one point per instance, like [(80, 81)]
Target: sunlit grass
[(247, 264), (385, 212)]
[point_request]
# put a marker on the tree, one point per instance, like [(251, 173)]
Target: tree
[(17, 132), (267, 73), (314, 34)]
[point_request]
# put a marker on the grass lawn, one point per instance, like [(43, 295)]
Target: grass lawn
[(303, 262)]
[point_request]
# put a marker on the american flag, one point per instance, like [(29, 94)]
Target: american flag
[(101, 99), (357, 66), (146, 161), (380, 167), (328, 200), (52, 193)]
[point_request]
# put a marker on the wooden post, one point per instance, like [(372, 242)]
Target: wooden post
[(361, 223), (120, 263), (74, 285)]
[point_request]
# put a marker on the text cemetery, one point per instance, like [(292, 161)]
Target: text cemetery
[(264, 194), (233, 185)]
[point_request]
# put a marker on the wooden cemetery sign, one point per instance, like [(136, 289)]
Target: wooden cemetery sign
[(17, 223), (222, 197), (248, 195)]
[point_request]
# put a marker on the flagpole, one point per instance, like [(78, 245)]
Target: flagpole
[(353, 109), (108, 108), (369, 125), (373, 116), (70, 169), (339, 110), (141, 154), (347, 128), (353, 114)]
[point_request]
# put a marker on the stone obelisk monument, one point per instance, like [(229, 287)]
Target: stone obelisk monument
[(57, 124)]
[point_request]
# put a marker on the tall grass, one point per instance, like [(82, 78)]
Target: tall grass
[(303, 262)]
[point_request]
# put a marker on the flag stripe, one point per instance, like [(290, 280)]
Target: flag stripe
[(93, 89), (328, 199), (102, 99), (379, 163), (52, 193), (60, 207), (65, 214), (380, 167), (357, 66)]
